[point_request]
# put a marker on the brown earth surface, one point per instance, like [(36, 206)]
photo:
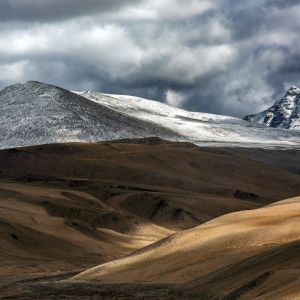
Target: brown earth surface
[(67, 207)]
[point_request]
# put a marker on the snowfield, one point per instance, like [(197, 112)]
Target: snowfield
[(200, 128), (33, 113)]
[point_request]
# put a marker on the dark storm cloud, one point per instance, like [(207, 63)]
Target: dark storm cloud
[(221, 56), (51, 10)]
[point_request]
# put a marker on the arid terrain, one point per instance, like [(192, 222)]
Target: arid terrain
[(149, 150), (158, 219)]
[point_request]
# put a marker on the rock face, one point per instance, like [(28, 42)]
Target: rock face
[(285, 113), (34, 113)]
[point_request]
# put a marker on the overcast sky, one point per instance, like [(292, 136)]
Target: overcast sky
[(230, 57)]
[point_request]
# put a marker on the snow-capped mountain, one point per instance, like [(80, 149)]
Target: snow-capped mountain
[(34, 113), (198, 128), (285, 113)]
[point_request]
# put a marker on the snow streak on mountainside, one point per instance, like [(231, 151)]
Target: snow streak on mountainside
[(199, 128), (35, 113), (285, 113)]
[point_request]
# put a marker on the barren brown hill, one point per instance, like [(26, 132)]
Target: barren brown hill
[(244, 254), (67, 207)]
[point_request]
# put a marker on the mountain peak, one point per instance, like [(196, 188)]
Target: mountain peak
[(285, 113), (33, 113), (31, 84), (293, 90)]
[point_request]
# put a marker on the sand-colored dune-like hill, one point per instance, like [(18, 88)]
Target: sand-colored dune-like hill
[(197, 253)]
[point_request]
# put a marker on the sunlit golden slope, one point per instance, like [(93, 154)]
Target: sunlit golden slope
[(203, 250)]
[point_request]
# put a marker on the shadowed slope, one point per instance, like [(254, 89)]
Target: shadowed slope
[(47, 229), (156, 165)]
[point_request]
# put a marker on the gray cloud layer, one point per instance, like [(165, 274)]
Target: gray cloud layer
[(221, 56), (54, 10)]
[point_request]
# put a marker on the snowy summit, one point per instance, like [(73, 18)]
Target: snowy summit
[(285, 113)]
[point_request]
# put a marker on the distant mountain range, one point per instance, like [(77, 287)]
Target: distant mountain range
[(33, 113), (285, 113)]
